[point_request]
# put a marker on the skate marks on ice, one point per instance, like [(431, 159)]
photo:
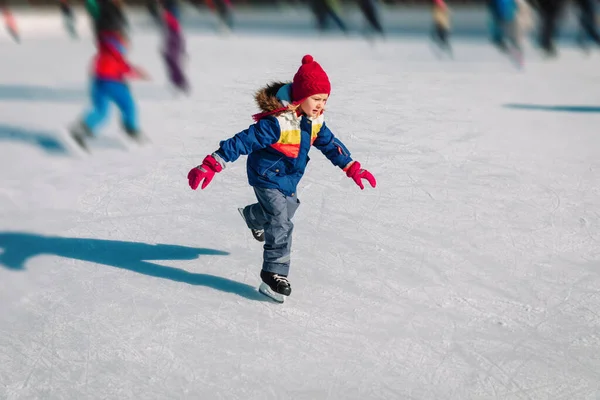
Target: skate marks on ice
[(47, 141), (17, 247)]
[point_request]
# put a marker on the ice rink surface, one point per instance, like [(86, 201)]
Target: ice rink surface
[(472, 271)]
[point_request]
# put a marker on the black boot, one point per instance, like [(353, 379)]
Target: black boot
[(258, 234), (277, 283)]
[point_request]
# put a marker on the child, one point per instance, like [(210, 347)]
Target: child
[(441, 24), (174, 48), (277, 146), (110, 70)]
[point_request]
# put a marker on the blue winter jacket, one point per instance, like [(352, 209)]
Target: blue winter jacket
[(277, 146)]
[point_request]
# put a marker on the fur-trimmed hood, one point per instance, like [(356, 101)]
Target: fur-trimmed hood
[(268, 102), (266, 97)]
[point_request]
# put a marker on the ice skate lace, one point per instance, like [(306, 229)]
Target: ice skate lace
[(280, 279)]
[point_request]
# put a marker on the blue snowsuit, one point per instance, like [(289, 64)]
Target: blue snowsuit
[(109, 84)]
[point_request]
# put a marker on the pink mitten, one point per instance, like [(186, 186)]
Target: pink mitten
[(357, 174), (206, 171)]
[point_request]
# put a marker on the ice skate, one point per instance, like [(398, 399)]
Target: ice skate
[(258, 234), (274, 286), (80, 134), (136, 135)]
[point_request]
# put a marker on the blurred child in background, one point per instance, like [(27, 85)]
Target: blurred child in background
[(174, 46), (109, 78)]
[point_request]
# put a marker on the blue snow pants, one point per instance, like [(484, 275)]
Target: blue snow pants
[(273, 213), (102, 93)]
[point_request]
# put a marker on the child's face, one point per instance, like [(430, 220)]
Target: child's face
[(313, 105)]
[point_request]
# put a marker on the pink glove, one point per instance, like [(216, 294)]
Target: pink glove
[(356, 173), (205, 171)]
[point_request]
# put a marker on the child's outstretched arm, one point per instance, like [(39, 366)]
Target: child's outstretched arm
[(258, 136), (339, 155)]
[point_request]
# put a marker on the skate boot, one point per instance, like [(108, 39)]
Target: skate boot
[(135, 134), (274, 286), (80, 133), (259, 234)]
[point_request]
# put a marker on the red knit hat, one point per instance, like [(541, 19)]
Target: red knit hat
[(309, 80)]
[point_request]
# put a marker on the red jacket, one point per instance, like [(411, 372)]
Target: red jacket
[(109, 63)]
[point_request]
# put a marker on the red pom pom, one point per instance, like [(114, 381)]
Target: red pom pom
[(307, 59)]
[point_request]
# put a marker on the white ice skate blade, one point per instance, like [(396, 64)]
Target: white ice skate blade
[(266, 290), (241, 211), (71, 146)]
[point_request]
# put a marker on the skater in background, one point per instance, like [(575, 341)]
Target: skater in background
[(109, 80), (154, 10), (107, 15), (505, 30), (222, 8), (441, 25), (550, 12), (524, 21), (277, 145), (68, 17), (174, 46), (224, 12), (370, 11), (325, 10), (588, 24), (10, 24)]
